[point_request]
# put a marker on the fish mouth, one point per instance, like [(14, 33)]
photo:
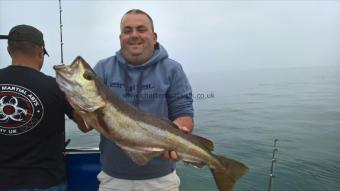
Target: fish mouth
[(66, 85), (59, 67), (62, 70), (63, 77)]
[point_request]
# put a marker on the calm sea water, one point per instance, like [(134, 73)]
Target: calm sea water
[(242, 112)]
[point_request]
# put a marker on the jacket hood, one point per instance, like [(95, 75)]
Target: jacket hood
[(159, 54)]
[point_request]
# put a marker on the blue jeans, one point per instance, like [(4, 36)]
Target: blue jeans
[(60, 187)]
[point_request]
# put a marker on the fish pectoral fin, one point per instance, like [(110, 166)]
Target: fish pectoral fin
[(91, 121), (142, 157)]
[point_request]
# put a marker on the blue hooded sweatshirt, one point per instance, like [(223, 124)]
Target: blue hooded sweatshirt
[(158, 86)]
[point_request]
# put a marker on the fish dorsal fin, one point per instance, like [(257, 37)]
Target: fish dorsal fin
[(139, 156), (206, 142)]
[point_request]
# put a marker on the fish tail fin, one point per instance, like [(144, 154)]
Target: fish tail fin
[(226, 178)]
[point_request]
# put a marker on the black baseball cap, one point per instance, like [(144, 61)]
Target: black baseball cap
[(26, 33)]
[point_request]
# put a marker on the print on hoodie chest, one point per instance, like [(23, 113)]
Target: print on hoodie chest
[(130, 93), (131, 88), (20, 110)]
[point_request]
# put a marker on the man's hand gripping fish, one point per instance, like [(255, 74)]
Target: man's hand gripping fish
[(141, 135)]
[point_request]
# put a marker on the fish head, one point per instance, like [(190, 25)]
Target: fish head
[(80, 84)]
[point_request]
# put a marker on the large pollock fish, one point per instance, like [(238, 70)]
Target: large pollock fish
[(141, 135)]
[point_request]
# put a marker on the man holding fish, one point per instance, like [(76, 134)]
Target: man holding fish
[(142, 74)]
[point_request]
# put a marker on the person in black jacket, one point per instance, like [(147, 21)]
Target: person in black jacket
[(32, 118)]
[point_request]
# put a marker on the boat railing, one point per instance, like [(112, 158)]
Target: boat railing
[(273, 161), (75, 150)]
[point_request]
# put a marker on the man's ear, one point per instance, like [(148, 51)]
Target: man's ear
[(155, 37), (39, 51)]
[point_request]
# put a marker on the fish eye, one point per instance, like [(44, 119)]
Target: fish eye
[(88, 75)]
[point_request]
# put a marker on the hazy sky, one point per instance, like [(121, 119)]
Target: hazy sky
[(201, 35)]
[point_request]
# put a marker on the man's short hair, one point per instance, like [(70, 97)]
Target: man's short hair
[(24, 47), (138, 11)]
